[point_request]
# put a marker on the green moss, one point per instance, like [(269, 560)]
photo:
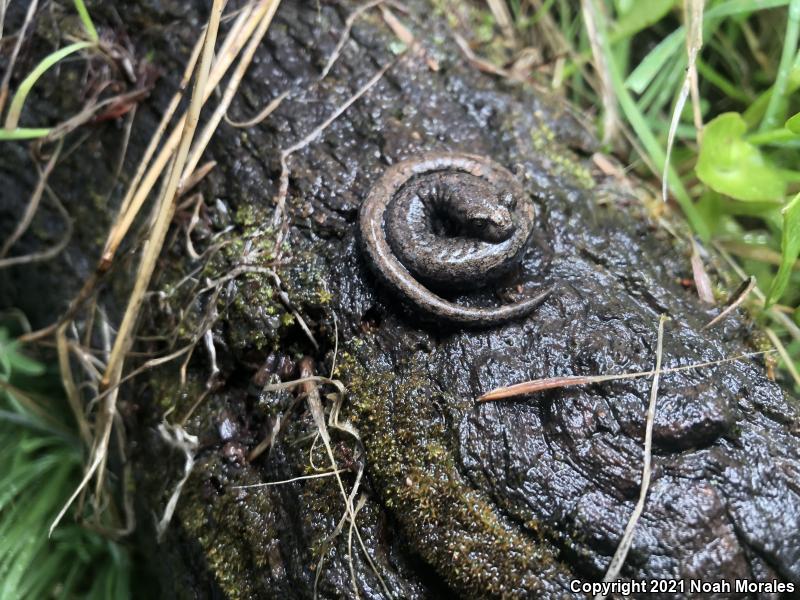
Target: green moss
[(562, 162), (452, 525)]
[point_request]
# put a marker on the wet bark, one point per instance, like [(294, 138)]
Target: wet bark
[(509, 499)]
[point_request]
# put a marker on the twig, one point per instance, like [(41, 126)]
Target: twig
[(747, 286), (627, 537)]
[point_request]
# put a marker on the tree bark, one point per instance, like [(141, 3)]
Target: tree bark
[(517, 498)]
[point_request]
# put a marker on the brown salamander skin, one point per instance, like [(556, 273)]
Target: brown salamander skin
[(489, 222)]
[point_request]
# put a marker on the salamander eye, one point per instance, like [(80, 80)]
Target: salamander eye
[(508, 200), (480, 224)]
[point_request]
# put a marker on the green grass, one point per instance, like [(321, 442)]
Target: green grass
[(42, 464), (11, 130), (738, 186)]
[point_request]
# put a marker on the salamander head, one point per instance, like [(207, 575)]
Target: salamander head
[(488, 222)]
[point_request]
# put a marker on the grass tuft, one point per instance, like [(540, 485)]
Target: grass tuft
[(42, 462)]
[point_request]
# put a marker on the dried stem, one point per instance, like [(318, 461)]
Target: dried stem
[(33, 203), (627, 537)]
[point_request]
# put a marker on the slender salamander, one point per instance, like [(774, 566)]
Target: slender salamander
[(448, 220)]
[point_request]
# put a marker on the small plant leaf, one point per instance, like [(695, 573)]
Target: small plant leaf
[(655, 61), (15, 109), (790, 249), (732, 166), (86, 20), (793, 124), (23, 133)]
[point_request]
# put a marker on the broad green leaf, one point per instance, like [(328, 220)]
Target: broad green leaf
[(793, 124), (790, 249), (733, 167)]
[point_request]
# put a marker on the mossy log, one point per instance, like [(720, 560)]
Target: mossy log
[(517, 498)]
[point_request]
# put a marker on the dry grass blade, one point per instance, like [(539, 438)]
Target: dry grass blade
[(593, 21), (3, 6), (549, 383), (747, 286), (71, 390), (51, 252), (152, 249), (404, 34), (693, 10), (162, 126), (285, 481), (262, 115), (179, 439), (694, 42), (784, 354), (348, 26), (33, 203), (197, 176), (627, 537), (785, 320), (230, 90), (501, 14), (4, 85), (90, 110), (157, 235), (238, 36), (476, 61), (146, 177), (318, 414), (702, 282)]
